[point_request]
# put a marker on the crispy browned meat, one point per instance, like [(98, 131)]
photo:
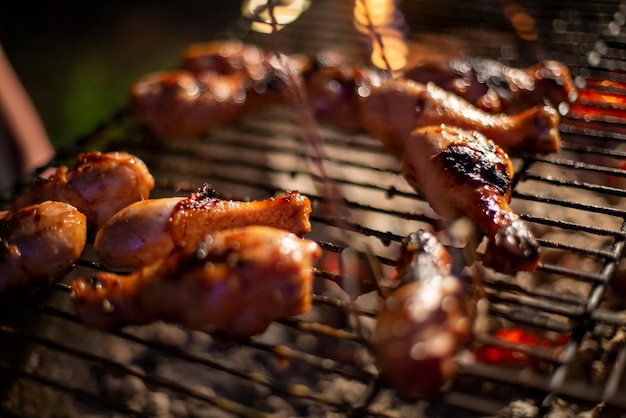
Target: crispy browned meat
[(149, 230), (39, 243), (236, 281), (179, 104), (425, 322), (393, 110), (223, 81), (463, 174), (495, 87), (99, 185), (228, 57), (334, 89), (218, 83)]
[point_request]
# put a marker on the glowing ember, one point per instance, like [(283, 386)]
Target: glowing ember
[(500, 355)]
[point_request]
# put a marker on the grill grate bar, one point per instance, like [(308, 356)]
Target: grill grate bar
[(621, 213), (608, 190), (541, 306), (577, 274), (528, 317), (580, 165), (582, 251), (223, 403), (574, 226), (572, 131), (281, 351), (57, 385), (539, 293)]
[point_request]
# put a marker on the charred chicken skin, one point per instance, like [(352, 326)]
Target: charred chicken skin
[(39, 243), (99, 185), (235, 281), (463, 174), (498, 88), (424, 322), (149, 230)]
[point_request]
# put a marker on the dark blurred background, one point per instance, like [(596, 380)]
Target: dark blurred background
[(77, 59)]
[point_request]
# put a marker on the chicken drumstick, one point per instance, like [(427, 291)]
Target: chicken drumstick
[(423, 323), (463, 174), (236, 281), (149, 230)]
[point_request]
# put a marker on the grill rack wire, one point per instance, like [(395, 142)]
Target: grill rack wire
[(263, 155)]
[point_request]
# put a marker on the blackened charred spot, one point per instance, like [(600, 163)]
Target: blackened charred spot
[(467, 162), (202, 198)]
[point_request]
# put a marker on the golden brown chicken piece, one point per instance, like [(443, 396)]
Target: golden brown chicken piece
[(218, 83), (498, 88), (227, 57), (147, 231), (99, 185), (393, 110), (39, 243), (235, 281), (335, 87), (463, 174), (423, 323), (178, 104)]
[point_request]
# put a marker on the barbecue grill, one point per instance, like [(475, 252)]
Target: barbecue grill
[(555, 339)]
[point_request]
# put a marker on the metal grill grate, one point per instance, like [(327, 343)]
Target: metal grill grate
[(318, 364)]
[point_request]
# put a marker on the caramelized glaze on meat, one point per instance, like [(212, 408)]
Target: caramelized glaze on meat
[(236, 281), (39, 243), (463, 174), (146, 231), (393, 110), (218, 83), (177, 103), (495, 87), (228, 57), (99, 185), (424, 323)]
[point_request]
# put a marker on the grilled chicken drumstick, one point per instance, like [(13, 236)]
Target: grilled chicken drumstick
[(221, 82), (393, 110), (235, 281), (218, 83), (99, 185), (39, 243), (177, 103), (146, 231), (498, 88), (424, 322), (463, 174)]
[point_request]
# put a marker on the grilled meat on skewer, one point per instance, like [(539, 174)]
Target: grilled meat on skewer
[(424, 322), (39, 243), (235, 281), (463, 174), (149, 230), (99, 185), (497, 88)]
